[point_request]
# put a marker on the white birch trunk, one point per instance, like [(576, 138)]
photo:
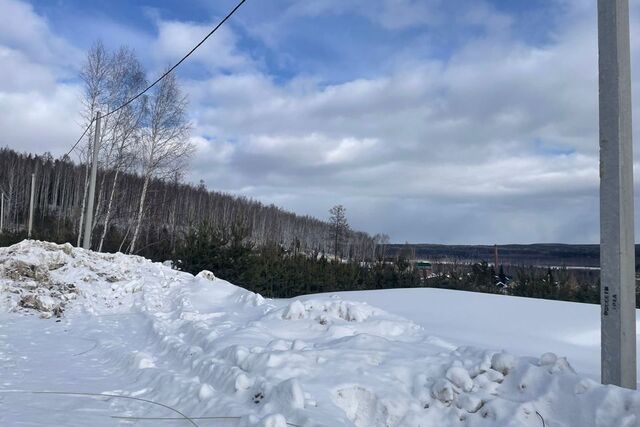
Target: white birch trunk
[(108, 214), (136, 231)]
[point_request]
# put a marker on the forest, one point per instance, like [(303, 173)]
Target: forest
[(275, 272), (172, 209), (544, 254)]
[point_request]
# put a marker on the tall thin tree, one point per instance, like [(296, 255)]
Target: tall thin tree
[(164, 148)]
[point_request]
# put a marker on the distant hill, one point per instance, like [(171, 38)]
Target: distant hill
[(543, 254)]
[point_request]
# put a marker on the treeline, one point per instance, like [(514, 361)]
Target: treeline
[(172, 210), (275, 272), (541, 254), (525, 281)]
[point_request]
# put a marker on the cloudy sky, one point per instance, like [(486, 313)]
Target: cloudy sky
[(443, 121)]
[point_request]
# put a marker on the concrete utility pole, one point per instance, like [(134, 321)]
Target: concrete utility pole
[(88, 224), (33, 188), (2, 212), (617, 236)]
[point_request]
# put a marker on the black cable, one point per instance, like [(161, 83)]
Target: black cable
[(165, 74), (117, 396), (95, 345), (191, 418), (81, 136), (179, 62)]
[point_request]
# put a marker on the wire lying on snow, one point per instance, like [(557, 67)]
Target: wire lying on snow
[(95, 344), (70, 393), (543, 423), (175, 418)]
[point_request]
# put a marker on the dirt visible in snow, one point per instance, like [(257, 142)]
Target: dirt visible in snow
[(29, 283)]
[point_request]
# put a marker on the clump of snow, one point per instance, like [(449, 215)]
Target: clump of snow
[(206, 392), (460, 378), (503, 362), (206, 274), (144, 360), (548, 359), (327, 311), (208, 348)]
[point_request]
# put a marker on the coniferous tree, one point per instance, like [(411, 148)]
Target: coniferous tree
[(339, 229)]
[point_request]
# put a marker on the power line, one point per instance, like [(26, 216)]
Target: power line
[(166, 73), (81, 136), (181, 61)]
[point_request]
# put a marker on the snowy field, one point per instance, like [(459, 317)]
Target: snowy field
[(522, 326), (161, 347)]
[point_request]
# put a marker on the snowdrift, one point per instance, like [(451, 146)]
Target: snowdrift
[(207, 348)]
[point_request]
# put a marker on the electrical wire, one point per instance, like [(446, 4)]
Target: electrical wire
[(133, 418), (95, 345), (179, 62), (81, 136), (166, 73), (69, 393), (121, 417)]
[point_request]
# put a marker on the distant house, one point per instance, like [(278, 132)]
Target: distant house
[(503, 283), (502, 286), (424, 267)]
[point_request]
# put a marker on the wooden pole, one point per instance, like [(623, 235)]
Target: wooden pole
[(617, 236), (33, 188), (86, 243)]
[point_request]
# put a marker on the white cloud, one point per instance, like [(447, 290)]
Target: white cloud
[(501, 135), (21, 28), (176, 38), (38, 112), (19, 73), (37, 122), (390, 14)]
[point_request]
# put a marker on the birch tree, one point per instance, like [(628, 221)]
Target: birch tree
[(164, 147), (126, 79), (94, 77)]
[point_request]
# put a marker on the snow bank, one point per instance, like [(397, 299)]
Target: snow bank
[(519, 325), (208, 348)]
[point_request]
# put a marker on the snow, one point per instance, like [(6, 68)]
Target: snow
[(521, 326), (155, 342)]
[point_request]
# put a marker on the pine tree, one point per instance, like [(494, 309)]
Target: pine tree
[(339, 228)]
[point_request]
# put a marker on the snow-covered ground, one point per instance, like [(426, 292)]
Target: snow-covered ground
[(522, 326), (166, 348)]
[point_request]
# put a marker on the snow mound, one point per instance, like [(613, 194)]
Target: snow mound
[(209, 348), (327, 311), (28, 280)]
